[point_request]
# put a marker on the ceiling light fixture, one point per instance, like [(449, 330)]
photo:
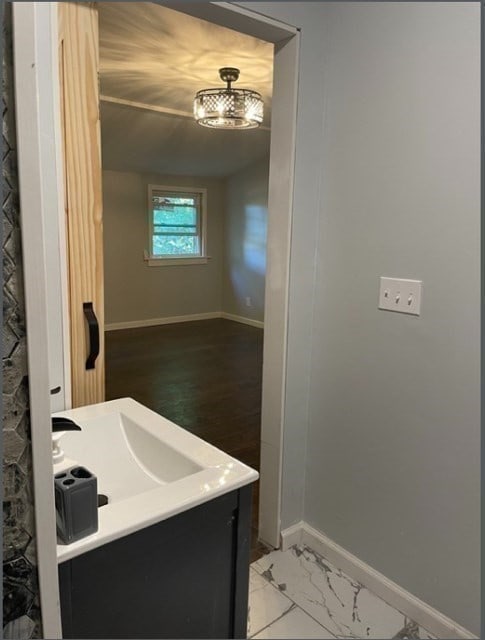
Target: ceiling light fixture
[(228, 108)]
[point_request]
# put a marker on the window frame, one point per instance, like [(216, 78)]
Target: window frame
[(181, 259)]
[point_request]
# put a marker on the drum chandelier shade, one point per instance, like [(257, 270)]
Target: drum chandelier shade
[(228, 108)]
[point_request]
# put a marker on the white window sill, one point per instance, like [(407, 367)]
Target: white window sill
[(179, 261)]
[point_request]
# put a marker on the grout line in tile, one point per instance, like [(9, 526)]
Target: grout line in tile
[(292, 608), (291, 602), (315, 620), (295, 605), (282, 593)]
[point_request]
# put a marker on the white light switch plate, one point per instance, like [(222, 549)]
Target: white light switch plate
[(403, 296)]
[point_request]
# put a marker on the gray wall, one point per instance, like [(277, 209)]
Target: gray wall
[(135, 291), (245, 223), (392, 462)]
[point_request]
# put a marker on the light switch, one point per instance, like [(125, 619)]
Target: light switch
[(403, 296)]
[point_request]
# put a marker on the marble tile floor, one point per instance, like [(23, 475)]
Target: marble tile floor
[(299, 594)]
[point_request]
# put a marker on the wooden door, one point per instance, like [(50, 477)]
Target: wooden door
[(79, 94)]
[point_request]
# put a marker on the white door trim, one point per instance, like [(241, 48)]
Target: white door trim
[(42, 200), (35, 89)]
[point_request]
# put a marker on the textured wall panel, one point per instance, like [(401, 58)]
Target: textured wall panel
[(21, 613)]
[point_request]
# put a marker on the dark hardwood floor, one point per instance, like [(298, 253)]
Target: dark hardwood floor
[(205, 376)]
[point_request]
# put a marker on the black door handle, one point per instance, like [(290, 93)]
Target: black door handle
[(93, 334)]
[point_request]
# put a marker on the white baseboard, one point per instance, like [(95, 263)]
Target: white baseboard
[(153, 322), (242, 320), (292, 535), (426, 616)]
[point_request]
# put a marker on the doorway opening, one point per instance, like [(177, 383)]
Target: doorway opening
[(184, 336), (39, 127)]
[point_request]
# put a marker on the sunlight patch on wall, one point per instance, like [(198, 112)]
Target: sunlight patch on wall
[(254, 245)]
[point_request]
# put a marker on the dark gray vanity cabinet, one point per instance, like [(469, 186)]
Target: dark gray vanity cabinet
[(185, 577)]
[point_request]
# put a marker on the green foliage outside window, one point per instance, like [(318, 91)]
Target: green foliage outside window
[(175, 245), (175, 226)]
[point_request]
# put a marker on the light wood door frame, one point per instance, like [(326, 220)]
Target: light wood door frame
[(81, 134), (37, 88)]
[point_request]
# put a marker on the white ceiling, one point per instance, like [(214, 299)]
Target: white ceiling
[(160, 57)]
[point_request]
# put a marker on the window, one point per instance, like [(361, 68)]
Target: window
[(176, 225)]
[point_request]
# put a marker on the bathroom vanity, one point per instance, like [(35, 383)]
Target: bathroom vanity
[(171, 556)]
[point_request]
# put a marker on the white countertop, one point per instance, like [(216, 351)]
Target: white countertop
[(150, 468)]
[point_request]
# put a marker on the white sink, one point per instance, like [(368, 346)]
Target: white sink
[(148, 467)]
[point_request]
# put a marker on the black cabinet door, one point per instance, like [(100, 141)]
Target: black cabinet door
[(175, 579)]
